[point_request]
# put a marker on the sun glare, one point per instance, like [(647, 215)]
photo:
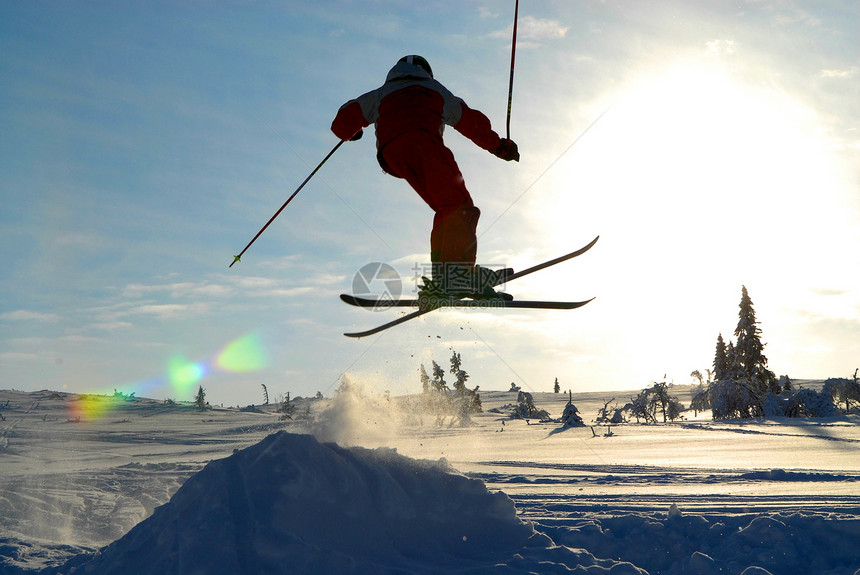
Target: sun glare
[(697, 182), (690, 158)]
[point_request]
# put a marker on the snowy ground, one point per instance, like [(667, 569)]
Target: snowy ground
[(77, 474)]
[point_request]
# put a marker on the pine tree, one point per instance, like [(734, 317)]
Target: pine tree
[(460, 375), (287, 408), (438, 382), (660, 398), (476, 406), (720, 359), (749, 350), (731, 363), (556, 388), (200, 400), (425, 380)]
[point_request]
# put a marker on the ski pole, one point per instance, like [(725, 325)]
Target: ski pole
[(238, 258), (513, 56)]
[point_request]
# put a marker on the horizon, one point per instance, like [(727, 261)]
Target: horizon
[(709, 146)]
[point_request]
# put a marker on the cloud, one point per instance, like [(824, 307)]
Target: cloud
[(798, 17), (532, 31), (839, 73), (531, 28), (169, 311), (485, 12), (18, 356), (110, 325), (721, 47), (178, 289), (829, 291), (27, 315)]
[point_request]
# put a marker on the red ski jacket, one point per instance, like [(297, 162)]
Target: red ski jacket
[(411, 100)]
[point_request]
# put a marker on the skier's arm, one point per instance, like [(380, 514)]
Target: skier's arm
[(476, 126), (349, 121)]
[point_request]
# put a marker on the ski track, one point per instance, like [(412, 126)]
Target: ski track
[(568, 496), (708, 427)]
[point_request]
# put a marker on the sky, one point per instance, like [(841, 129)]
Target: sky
[(711, 145)]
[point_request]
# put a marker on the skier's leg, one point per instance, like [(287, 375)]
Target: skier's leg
[(454, 237), (430, 168)]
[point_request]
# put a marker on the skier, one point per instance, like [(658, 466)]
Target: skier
[(410, 111)]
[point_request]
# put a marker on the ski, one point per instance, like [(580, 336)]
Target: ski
[(383, 327), (436, 303), (457, 302), (552, 262)]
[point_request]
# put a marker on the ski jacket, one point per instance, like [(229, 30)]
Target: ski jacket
[(411, 100)]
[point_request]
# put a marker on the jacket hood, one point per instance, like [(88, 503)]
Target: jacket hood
[(403, 70)]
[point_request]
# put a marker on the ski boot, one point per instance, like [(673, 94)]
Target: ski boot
[(458, 281)]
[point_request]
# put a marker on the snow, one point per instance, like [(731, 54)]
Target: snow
[(104, 485)]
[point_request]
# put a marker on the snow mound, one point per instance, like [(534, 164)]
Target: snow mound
[(290, 503)]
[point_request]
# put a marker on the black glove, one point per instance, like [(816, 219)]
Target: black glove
[(507, 150), (357, 136)]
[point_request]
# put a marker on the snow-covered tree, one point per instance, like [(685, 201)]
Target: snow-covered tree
[(810, 403), (733, 399), (467, 401), (674, 408), (438, 380), (732, 370), (200, 399), (640, 407), (653, 399), (476, 405), (556, 386), (425, 380), (660, 398), (458, 373), (844, 391), (721, 360), (287, 408), (749, 350), (438, 399), (742, 379), (612, 414), (526, 408), (701, 399), (570, 416)]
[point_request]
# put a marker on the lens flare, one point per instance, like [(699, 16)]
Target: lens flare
[(91, 407), (183, 374), (243, 355)]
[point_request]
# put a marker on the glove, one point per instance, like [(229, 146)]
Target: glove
[(507, 150), (357, 136)]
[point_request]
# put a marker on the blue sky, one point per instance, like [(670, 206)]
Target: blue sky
[(711, 145)]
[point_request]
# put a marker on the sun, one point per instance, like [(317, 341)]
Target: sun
[(690, 156), (698, 181)]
